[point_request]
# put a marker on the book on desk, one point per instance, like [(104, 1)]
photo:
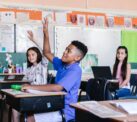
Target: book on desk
[(129, 107), (100, 110)]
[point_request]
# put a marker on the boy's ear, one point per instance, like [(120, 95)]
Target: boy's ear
[(77, 58)]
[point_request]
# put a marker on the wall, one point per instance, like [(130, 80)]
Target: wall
[(105, 4), (57, 3), (113, 4)]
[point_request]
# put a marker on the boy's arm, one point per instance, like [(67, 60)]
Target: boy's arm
[(46, 46), (48, 87)]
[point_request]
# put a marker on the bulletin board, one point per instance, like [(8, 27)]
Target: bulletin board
[(7, 37), (102, 42), (129, 39)]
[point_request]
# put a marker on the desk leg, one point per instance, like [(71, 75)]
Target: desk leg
[(9, 114), (1, 110), (63, 116)]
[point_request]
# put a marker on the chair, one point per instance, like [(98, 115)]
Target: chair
[(133, 84), (97, 89), (133, 87), (82, 89)]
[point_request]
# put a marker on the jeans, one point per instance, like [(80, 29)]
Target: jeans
[(122, 92)]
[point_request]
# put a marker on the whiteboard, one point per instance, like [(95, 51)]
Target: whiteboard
[(22, 40), (7, 37), (102, 42)]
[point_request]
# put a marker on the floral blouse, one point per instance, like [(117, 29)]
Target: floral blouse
[(37, 75)]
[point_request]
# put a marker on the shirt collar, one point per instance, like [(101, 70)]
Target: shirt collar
[(70, 65)]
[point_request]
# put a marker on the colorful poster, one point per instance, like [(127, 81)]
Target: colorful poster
[(88, 61)]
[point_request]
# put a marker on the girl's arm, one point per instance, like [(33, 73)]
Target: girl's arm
[(31, 37), (126, 81)]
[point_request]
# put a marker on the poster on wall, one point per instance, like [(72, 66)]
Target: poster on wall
[(7, 17), (100, 21), (61, 17), (7, 37), (110, 21), (91, 20), (128, 22), (88, 61), (49, 15), (81, 20), (73, 19)]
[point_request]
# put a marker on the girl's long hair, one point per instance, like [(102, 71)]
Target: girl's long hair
[(124, 64), (39, 55)]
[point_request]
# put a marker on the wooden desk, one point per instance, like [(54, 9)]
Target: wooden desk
[(11, 76), (7, 85), (35, 103), (82, 115)]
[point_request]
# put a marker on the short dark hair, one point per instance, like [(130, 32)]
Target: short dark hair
[(39, 55), (82, 47)]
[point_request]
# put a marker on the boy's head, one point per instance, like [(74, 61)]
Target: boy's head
[(74, 52)]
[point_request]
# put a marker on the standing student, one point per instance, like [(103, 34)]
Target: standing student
[(36, 72), (122, 71), (68, 76)]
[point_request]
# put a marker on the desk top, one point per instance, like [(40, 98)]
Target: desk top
[(6, 74), (127, 118), (20, 81), (20, 94)]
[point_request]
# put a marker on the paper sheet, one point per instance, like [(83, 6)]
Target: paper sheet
[(6, 37), (100, 110), (129, 107)]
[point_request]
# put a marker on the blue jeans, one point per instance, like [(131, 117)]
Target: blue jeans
[(122, 92)]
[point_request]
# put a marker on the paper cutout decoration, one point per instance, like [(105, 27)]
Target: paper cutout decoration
[(91, 20)]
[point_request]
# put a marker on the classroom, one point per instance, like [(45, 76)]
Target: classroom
[(68, 61)]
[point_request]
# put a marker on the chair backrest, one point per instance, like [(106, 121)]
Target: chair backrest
[(97, 89), (133, 84)]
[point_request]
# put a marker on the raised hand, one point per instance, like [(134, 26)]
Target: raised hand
[(30, 35), (45, 27)]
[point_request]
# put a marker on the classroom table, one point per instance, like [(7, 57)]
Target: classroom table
[(34, 103), (7, 85), (84, 115)]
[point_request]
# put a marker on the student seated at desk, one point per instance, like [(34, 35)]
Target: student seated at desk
[(36, 72), (68, 76), (122, 71), (37, 67)]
